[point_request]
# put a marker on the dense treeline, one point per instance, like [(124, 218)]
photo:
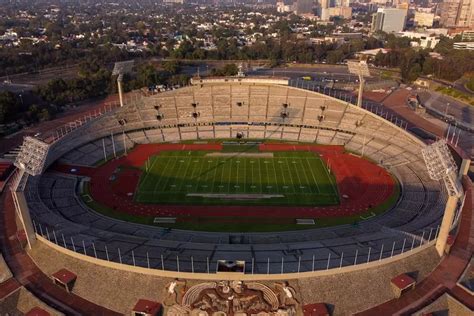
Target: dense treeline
[(93, 81), (14, 110), (451, 64), (227, 70), (32, 58), (148, 75)]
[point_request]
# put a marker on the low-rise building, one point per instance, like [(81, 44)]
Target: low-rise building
[(464, 45), (468, 35), (425, 40)]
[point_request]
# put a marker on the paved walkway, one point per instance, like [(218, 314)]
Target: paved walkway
[(443, 279), (396, 103), (26, 272)]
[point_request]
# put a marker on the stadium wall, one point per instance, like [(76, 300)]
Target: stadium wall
[(230, 276)]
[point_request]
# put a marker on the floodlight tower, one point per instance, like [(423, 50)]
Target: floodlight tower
[(441, 166), (121, 68), (360, 69), (241, 72)]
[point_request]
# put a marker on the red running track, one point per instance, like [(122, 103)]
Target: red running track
[(365, 184)]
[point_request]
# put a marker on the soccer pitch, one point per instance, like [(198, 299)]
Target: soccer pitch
[(202, 177)]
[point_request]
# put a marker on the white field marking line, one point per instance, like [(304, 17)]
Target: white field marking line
[(215, 174), (175, 188), (251, 172), (266, 172), (237, 179), (243, 183), (248, 170), (191, 161), (185, 175), (200, 173), (330, 180), (260, 176), (192, 177), (174, 170), (154, 159), (297, 194), (222, 173), (227, 177), (231, 176), (159, 176), (275, 175), (285, 183), (312, 174), (162, 176), (297, 175), (314, 189), (289, 173), (171, 170), (232, 169), (308, 182)]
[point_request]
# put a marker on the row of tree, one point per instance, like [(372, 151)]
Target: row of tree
[(94, 80), (14, 110), (414, 63)]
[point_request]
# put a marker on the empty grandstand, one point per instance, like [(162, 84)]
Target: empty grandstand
[(54, 212)]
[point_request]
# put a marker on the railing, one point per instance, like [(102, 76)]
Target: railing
[(370, 106), (69, 127), (323, 259)]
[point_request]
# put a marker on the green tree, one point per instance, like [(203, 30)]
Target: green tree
[(335, 56), (172, 66), (147, 75), (470, 83), (8, 106), (227, 70)]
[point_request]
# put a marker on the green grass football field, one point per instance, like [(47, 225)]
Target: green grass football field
[(237, 178)]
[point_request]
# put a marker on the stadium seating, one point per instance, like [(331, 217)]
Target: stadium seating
[(256, 111)]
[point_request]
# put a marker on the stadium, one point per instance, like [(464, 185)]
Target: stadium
[(239, 196)]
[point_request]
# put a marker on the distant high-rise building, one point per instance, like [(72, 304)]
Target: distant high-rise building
[(389, 20), (466, 14), (304, 6), (344, 12), (457, 13), (324, 4), (424, 19), (339, 3)]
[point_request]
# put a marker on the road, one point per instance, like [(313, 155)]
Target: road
[(15, 87), (318, 74), (460, 85)]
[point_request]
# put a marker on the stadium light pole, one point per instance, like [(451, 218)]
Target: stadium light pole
[(120, 69), (441, 166), (361, 69)]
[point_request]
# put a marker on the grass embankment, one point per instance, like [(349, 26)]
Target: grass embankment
[(456, 94)]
